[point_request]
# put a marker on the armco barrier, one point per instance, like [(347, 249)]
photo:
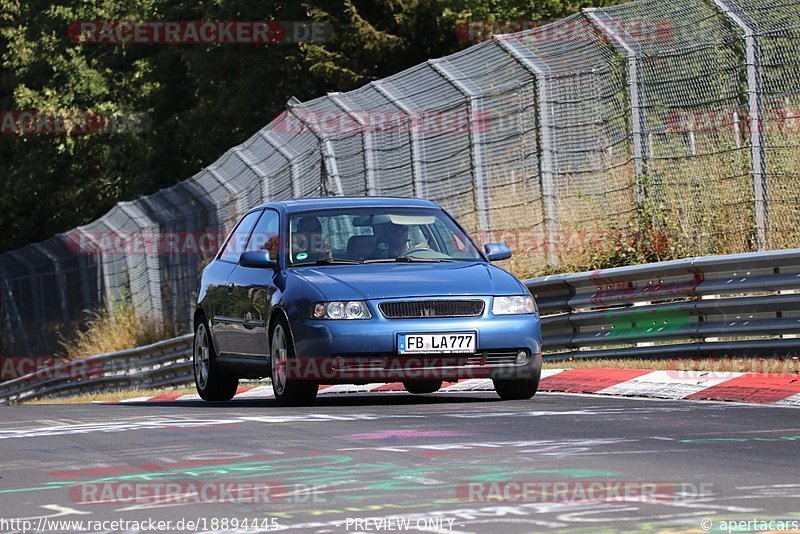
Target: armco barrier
[(166, 363), (741, 304)]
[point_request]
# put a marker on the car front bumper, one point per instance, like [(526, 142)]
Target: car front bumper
[(357, 351)]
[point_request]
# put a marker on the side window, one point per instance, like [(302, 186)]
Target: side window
[(265, 235), (236, 241)]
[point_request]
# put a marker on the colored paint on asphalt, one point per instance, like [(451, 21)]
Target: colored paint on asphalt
[(408, 433)]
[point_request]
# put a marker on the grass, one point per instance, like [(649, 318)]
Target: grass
[(121, 394), (111, 396), (109, 331)]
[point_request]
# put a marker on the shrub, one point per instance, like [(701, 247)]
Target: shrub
[(113, 330)]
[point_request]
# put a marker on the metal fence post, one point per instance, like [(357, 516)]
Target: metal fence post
[(61, 285), (756, 117), (545, 133), (245, 157), (150, 259), (477, 149), (367, 148), (83, 267), (328, 155), (267, 137), (36, 303), (638, 122), (212, 170), (104, 291), (14, 321), (416, 149)]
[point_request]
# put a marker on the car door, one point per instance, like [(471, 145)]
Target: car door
[(220, 270), (253, 289), (215, 280)]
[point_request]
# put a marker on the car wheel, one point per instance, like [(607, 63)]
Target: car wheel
[(419, 387), (211, 382), (288, 390), (516, 389)]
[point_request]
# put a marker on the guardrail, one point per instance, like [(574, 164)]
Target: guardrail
[(741, 304), (166, 363), (737, 305)]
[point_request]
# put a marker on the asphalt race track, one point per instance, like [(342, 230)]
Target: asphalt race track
[(397, 462)]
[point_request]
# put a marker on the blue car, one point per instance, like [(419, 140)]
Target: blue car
[(361, 290)]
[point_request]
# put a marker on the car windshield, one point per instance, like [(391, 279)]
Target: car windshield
[(373, 235)]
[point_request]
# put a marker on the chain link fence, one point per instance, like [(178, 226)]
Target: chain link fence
[(679, 116)]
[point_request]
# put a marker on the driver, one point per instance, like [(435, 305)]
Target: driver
[(307, 241), (391, 240)]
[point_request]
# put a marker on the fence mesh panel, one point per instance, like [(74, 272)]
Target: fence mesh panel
[(505, 141), (678, 119), (35, 281), (345, 149), (691, 77), (246, 182), (777, 29), (184, 242), (444, 170), (389, 133), (582, 91), (270, 163)]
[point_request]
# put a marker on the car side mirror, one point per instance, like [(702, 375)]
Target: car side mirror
[(497, 251), (257, 259)]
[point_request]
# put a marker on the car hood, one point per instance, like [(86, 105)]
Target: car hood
[(394, 280)]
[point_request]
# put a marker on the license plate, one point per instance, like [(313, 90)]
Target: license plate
[(444, 343)]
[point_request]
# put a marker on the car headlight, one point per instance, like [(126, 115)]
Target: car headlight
[(513, 305), (354, 309)]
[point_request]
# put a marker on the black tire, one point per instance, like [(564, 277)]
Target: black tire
[(516, 389), (212, 383), (419, 387), (288, 390)]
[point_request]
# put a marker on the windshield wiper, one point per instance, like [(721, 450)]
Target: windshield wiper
[(401, 259), (327, 261), (408, 259)]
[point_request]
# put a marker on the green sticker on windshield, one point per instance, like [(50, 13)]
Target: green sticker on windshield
[(302, 256)]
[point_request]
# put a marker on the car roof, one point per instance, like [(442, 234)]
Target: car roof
[(306, 204)]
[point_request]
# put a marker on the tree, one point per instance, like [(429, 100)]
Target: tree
[(191, 103), (376, 38)]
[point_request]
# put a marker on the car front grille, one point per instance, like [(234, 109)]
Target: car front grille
[(425, 361), (414, 309), (493, 358)]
